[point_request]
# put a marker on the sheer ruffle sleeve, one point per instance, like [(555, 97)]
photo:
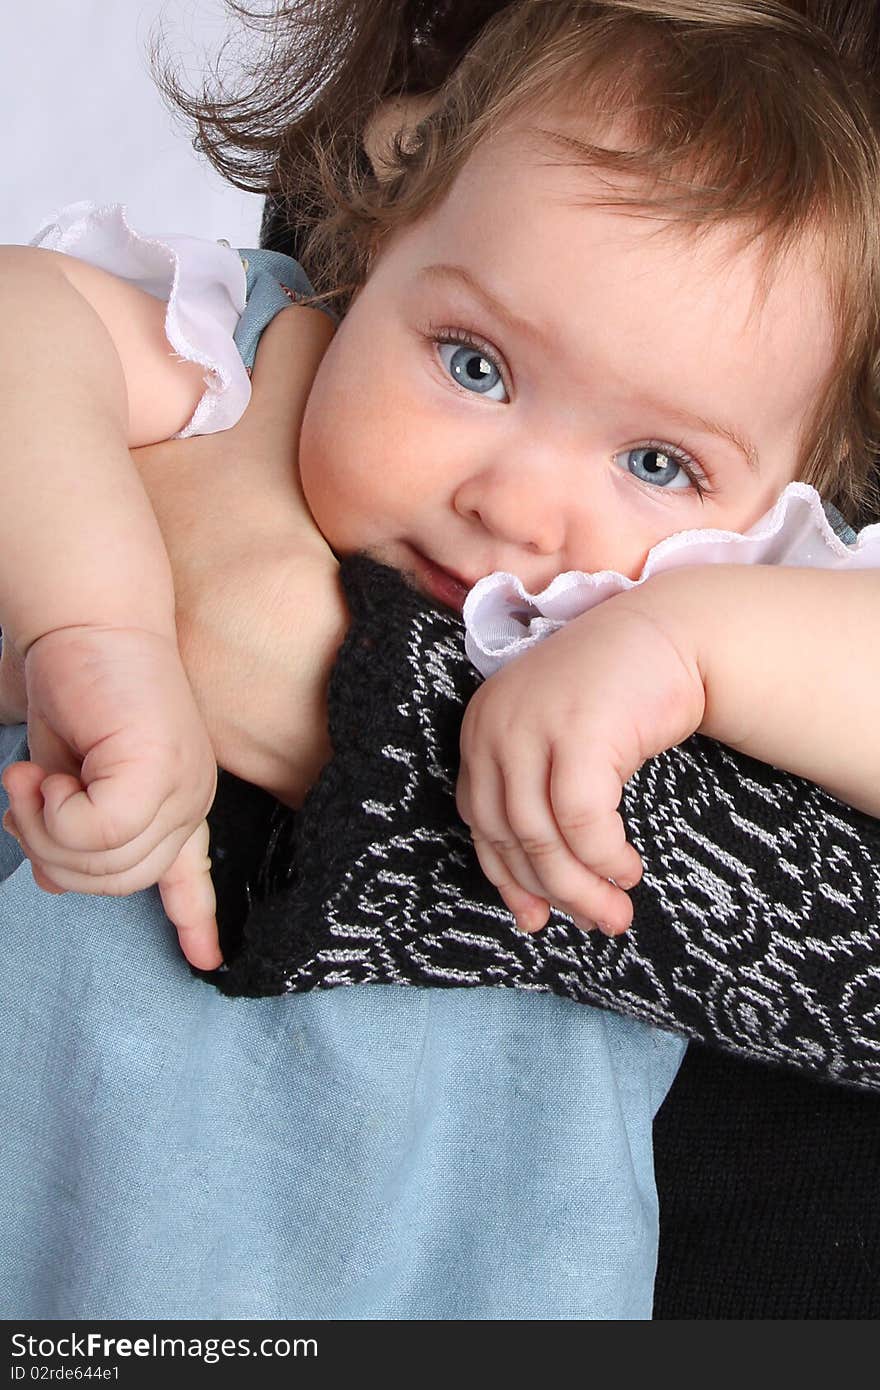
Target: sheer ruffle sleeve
[(203, 283), (219, 300), (503, 619)]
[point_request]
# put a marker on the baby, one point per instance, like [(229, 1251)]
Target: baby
[(589, 313)]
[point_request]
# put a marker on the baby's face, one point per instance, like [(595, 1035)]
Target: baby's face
[(532, 383)]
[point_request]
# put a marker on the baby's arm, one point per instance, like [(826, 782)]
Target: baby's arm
[(260, 609), (87, 374), (86, 597), (739, 653), (790, 672)]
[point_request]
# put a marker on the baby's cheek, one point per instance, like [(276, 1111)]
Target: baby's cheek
[(316, 463), (335, 478)]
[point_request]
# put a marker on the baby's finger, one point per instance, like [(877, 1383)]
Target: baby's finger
[(145, 874), (480, 801), (188, 898), (563, 880), (109, 811), (24, 819), (47, 750), (531, 912), (21, 781), (28, 786), (43, 881), (28, 793), (584, 795)]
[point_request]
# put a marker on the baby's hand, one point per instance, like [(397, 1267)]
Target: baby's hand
[(547, 744), (121, 778)]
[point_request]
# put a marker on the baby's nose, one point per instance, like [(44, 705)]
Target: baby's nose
[(516, 508)]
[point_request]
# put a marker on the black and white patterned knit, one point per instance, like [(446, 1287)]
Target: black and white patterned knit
[(757, 922)]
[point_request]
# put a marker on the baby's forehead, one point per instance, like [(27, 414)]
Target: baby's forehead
[(524, 196)]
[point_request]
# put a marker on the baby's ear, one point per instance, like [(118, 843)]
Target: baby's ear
[(393, 117)]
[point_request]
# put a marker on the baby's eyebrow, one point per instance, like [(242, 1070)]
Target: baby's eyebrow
[(700, 424), (463, 277), (495, 306)]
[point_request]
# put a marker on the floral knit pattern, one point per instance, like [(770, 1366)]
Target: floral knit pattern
[(757, 921)]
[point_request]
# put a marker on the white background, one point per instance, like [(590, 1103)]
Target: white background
[(81, 119)]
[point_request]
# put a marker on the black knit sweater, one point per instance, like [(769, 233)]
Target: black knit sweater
[(768, 1194), (757, 921), (756, 930)]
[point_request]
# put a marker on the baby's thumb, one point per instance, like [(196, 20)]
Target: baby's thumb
[(189, 901), (49, 751)]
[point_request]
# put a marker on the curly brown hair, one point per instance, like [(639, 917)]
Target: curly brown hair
[(760, 112)]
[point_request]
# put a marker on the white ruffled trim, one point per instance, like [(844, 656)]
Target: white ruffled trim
[(503, 619), (203, 283)]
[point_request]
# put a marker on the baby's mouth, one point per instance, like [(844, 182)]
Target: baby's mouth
[(437, 583)]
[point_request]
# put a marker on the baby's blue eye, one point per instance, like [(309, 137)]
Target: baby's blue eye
[(651, 463), (473, 369)]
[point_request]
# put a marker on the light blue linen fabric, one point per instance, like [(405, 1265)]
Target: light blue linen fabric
[(361, 1153)]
